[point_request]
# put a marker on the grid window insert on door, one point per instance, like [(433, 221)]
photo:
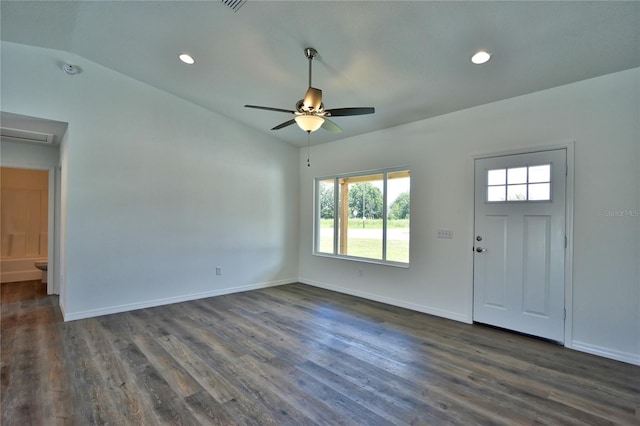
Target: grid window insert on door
[(518, 184)]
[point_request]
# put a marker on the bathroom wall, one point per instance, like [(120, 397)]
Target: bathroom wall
[(24, 222)]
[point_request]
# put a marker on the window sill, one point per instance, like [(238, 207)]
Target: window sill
[(364, 260)]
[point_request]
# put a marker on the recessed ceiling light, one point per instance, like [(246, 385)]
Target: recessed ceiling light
[(481, 57), (187, 59)]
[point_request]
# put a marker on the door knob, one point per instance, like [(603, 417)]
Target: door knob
[(480, 249)]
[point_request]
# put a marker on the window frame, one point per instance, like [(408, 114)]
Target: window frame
[(336, 214)]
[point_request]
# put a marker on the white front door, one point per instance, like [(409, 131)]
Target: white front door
[(519, 246)]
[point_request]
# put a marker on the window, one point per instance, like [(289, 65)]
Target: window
[(517, 184), (364, 216)]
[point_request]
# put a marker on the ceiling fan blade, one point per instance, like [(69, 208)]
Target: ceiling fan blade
[(341, 112), (313, 99), (285, 124), (331, 126), (270, 108)]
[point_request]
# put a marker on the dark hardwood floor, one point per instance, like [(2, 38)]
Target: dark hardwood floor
[(292, 355)]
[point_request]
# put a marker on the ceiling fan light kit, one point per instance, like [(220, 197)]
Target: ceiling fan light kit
[(309, 123), (310, 113)]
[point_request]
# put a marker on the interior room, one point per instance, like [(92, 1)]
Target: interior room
[(24, 228), (325, 213)]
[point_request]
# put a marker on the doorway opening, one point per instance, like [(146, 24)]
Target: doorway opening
[(24, 224), (31, 214)]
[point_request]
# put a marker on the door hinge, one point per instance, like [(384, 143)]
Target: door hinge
[(565, 241), (565, 314)]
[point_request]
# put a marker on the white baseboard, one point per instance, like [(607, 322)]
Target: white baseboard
[(627, 357), (63, 309), (72, 316), (389, 301)]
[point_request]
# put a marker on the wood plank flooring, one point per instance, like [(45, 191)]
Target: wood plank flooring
[(292, 355)]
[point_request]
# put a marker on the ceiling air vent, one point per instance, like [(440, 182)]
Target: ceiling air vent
[(235, 5), (26, 136)]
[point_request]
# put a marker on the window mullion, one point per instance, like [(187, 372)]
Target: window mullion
[(384, 216), (526, 186), (336, 207)]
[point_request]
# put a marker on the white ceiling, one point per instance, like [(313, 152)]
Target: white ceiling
[(409, 60)]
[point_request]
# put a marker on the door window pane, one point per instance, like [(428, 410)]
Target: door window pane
[(518, 184), (517, 193), (496, 193), (540, 173), (497, 177), (540, 192), (517, 175)]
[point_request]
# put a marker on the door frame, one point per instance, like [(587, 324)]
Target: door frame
[(569, 146)]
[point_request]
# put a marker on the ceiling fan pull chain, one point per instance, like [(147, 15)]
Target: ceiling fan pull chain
[(308, 148)]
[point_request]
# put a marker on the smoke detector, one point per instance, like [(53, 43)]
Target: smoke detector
[(70, 69)]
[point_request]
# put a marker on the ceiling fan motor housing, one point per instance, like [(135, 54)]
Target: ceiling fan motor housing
[(310, 52), (312, 99)]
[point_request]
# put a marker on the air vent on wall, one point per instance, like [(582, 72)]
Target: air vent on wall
[(26, 136), (235, 5)]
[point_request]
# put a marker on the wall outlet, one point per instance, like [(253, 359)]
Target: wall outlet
[(445, 233), (218, 270)]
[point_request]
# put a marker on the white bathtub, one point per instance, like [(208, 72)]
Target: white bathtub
[(12, 270)]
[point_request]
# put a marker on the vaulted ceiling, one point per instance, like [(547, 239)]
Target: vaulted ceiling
[(409, 60)]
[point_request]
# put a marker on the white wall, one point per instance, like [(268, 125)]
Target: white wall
[(158, 191), (601, 115)]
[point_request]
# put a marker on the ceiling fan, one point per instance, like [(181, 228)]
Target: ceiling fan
[(310, 113)]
